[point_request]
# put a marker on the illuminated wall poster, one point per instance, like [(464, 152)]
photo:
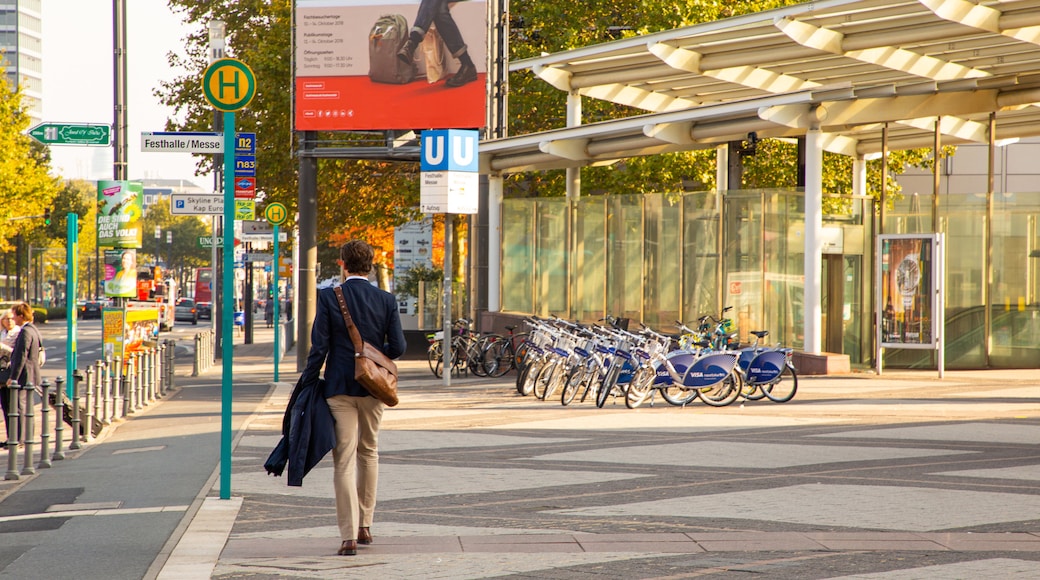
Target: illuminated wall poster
[(908, 280)]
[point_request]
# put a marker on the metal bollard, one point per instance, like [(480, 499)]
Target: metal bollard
[(171, 351), (45, 433), (149, 396), (107, 403), (12, 433), (153, 362), (59, 419), (28, 428), (197, 359), (159, 354), (128, 385), (77, 382), (111, 386)]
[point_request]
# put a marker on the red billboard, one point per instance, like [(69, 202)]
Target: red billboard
[(366, 65)]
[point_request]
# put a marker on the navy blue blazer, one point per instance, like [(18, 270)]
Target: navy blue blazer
[(375, 314)]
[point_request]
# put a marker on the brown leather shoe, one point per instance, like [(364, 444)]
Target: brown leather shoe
[(364, 536), (349, 548)]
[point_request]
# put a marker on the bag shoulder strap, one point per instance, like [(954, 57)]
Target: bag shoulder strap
[(355, 336)]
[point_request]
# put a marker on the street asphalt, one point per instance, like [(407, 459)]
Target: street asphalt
[(889, 477)]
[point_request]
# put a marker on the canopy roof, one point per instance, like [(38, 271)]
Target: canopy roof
[(846, 67)]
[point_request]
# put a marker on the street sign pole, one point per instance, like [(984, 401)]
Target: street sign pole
[(229, 85), (228, 312), (274, 296), (71, 280), (276, 214)]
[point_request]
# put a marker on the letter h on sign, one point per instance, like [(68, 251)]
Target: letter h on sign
[(449, 150)]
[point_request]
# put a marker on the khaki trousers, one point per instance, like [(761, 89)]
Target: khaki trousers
[(355, 461)]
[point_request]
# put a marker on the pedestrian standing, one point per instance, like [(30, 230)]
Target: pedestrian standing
[(357, 413), (8, 336), (25, 361)]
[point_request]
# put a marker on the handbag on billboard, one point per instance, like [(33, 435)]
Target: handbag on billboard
[(373, 369)]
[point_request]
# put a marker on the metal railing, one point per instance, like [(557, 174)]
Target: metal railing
[(110, 390), (204, 349)]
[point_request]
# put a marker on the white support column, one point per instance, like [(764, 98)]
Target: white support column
[(573, 120), (812, 307), (859, 176), (721, 168), (495, 187)]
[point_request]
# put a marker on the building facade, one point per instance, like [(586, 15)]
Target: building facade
[(21, 51)]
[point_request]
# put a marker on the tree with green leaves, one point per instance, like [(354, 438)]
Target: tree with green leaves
[(27, 188)]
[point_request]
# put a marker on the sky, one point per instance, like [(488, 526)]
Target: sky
[(77, 84)]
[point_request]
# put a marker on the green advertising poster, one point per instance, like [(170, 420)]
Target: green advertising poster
[(121, 273), (119, 215)]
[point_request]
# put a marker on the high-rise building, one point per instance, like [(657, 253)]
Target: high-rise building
[(21, 51)]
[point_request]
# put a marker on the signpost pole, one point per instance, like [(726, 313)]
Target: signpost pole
[(274, 296), (227, 286), (229, 85), (71, 279)]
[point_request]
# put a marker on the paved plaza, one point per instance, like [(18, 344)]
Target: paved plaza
[(894, 477)]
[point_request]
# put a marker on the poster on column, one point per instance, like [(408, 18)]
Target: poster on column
[(120, 207), (907, 277), (386, 64)]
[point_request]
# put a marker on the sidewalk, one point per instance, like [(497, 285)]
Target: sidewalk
[(892, 477)]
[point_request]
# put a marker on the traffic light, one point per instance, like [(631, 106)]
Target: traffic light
[(47, 216)]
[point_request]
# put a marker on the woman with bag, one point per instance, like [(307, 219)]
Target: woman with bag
[(25, 360), (8, 336), (357, 413)]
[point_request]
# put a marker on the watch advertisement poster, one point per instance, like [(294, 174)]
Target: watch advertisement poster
[(907, 295)]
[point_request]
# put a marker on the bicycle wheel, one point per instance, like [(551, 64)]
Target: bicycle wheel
[(525, 380), (475, 356), (559, 377), (608, 385), (751, 392), (639, 387), (678, 395), (722, 393), (783, 390), (572, 383), (541, 383), (498, 358), (518, 345), (436, 357)]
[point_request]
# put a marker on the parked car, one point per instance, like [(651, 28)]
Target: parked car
[(90, 309), (205, 309), (185, 310)]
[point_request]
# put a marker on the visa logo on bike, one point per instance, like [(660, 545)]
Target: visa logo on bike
[(708, 376), (450, 150)]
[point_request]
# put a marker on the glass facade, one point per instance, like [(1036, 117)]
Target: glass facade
[(998, 236), (659, 258)]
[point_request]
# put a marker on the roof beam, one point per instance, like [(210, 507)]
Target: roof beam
[(748, 76), (573, 149), (623, 94), (981, 17), (895, 109), (891, 57)]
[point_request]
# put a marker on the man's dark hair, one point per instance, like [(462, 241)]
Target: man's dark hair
[(357, 257)]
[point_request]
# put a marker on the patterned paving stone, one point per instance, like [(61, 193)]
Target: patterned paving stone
[(976, 432)]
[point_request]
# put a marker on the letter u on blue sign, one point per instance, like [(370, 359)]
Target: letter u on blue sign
[(449, 150)]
